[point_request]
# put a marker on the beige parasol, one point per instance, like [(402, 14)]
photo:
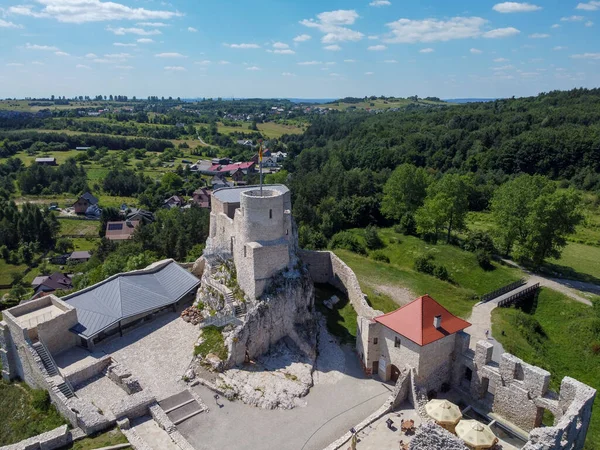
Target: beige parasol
[(443, 411), (476, 435)]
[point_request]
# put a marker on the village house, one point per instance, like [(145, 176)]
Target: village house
[(79, 257), (228, 169), (139, 215), (46, 284), (202, 197), (121, 230), (174, 201), (84, 202), (46, 161)]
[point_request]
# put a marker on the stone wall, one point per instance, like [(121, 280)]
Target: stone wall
[(7, 354), (55, 333), (430, 436), (80, 376), (54, 439)]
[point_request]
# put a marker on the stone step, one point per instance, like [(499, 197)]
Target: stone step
[(184, 412), (66, 390)]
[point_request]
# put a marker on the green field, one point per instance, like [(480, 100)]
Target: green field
[(559, 335), (268, 129), (25, 413), (380, 104), (7, 271), (81, 228), (23, 105)]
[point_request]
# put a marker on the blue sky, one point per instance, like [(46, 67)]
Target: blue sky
[(302, 48)]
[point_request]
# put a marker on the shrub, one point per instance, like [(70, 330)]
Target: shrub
[(479, 241), (40, 399), (424, 264), (372, 238), (347, 241), (442, 273), (408, 224), (484, 260), (380, 256)]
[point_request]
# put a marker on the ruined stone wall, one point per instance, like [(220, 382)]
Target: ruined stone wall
[(318, 265), (368, 351), (7, 354), (55, 333)]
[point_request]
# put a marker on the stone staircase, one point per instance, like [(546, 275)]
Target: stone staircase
[(47, 360), (64, 387), (181, 407)]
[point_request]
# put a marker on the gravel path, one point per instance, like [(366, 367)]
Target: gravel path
[(398, 294)]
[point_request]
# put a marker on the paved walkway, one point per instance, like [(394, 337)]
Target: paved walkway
[(332, 408), (153, 435), (378, 436)]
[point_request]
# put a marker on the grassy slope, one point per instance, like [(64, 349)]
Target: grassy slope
[(20, 419), (78, 227), (268, 129), (379, 104), (107, 439), (562, 345), (6, 271)]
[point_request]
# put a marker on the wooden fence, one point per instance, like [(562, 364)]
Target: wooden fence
[(503, 290), (519, 295)]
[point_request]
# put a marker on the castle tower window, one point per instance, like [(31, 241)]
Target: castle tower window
[(375, 341), (287, 232), (397, 342), (270, 214), (244, 251)]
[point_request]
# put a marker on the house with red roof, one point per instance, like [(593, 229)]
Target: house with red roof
[(420, 335), (228, 169)]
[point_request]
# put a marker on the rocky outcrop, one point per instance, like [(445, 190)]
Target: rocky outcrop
[(431, 436)]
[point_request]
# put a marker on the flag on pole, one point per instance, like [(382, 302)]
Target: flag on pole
[(260, 152)]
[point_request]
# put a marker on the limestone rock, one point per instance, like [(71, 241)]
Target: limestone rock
[(190, 375), (431, 436)]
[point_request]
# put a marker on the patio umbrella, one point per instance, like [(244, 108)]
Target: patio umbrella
[(475, 434), (443, 411)]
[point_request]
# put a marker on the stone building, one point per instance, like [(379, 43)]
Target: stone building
[(253, 229), (420, 335)]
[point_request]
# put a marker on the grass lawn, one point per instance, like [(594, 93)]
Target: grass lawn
[(82, 228), (276, 130), (6, 271), (106, 439), (85, 243), (25, 413), (341, 321), (213, 343), (559, 335), (578, 261)]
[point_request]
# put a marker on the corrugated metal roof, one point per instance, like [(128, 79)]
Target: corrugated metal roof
[(129, 294)]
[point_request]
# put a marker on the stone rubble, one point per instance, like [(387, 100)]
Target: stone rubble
[(192, 315)]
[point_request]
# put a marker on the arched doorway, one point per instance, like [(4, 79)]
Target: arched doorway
[(395, 373)]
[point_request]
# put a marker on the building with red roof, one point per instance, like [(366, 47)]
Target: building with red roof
[(420, 335), (228, 169)]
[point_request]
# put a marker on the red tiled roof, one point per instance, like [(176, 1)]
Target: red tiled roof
[(415, 321), (231, 167)]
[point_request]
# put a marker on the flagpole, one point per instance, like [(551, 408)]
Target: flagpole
[(260, 157)]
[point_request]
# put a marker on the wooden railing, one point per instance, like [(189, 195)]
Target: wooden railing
[(519, 295), (503, 290)]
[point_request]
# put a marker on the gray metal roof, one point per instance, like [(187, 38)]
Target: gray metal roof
[(232, 195), (129, 294)]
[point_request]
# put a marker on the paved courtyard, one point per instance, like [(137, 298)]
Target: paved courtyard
[(157, 353), (378, 436), (102, 392), (341, 398)]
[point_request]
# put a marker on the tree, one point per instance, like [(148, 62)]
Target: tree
[(405, 191), (552, 217), (510, 208), (446, 205), (372, 239), (64, 245)]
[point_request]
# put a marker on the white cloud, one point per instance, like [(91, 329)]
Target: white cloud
[(286, 51), (330, 63), (502, 68), (153, 24), (369, 73), (349, 60), (572, 19), (590, 6), (170, 55), (124, 67), (288, 74), (426, 50), (390, 61), (333, 74), (14, 65), (253, 68), (309, 63), (514, 7), (192, 30), (82, 11), (6, 24), (476, 51), (555, 26), (206, 62), (539, 36), (91, 55), (280, 45), (175, 68), (145, 41), (37, 63), (47, 48), (61, 54), (82, 66), (302, 38), (118, 55), (139, 31), (373, 37), (586, 56), (121, 44), (499, 60), (334, 26), (589, 23), (559, 48), (103, 61), (242, 46), (432, 30), (380, 3), (333, 48), (223, 63), (377, 48), (501, 33)]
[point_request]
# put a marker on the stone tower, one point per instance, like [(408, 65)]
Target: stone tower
[(255, 230)]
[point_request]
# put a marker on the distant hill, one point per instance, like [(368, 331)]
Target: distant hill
[(470, 100)]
